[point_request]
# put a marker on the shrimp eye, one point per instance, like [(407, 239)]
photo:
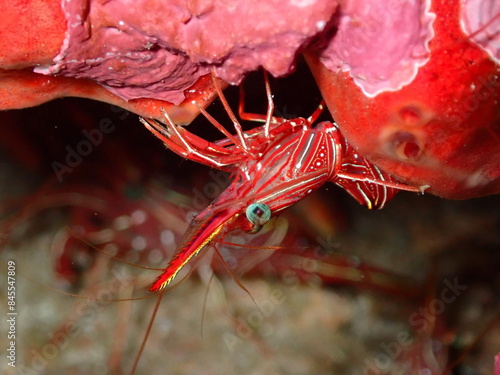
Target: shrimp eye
[(258, 214)]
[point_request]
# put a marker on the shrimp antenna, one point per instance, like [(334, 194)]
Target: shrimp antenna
[(152, 319), (205, 299), (146, 336), (236, 279)]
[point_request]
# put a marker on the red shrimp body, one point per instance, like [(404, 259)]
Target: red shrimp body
[(284, 170), (282, 163)]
